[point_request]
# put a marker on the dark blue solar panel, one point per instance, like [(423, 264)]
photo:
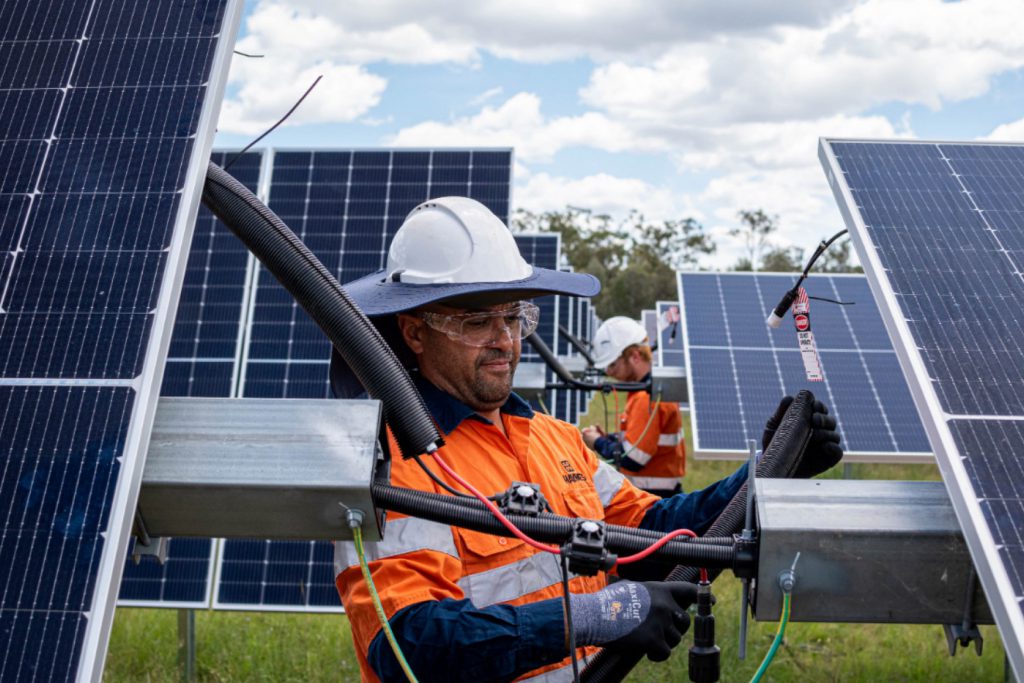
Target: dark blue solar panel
[(203, 360), (101, 106), (542, 250), (346, 205), (739, 367), (942, 228)]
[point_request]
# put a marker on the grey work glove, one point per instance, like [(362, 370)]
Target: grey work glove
[(823, 451), (650, 616)]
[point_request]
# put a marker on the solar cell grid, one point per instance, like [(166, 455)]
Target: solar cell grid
[(106, 114), (738, 367), (938, 227), (346, 206)]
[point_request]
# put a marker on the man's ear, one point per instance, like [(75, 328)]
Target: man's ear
[(413, 331)]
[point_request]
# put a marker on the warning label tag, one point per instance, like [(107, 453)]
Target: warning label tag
[(805, 337)]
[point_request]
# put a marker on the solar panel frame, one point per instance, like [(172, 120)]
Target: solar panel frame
[(91, 647), (991, 569), (766, 301)]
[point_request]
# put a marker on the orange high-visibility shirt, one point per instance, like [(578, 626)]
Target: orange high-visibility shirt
[(661, 450), (419, 560)]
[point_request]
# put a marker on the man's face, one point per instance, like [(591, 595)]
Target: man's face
[(479, 376)]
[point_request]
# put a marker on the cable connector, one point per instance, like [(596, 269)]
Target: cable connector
[(354, 517), (523, 498), (705, 656), (776, 316), (586, 551)]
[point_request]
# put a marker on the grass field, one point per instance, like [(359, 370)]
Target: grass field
[(250, 646)]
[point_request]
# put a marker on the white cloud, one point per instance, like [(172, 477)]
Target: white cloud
[(1008, 132), (601, 193), (519, 123)]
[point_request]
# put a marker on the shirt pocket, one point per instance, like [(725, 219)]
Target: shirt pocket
[(583, 502)]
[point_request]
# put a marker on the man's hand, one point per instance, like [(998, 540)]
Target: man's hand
[(591, 434), (650, 617), (823, 451)]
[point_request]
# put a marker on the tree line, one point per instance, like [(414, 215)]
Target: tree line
[(636, 260)]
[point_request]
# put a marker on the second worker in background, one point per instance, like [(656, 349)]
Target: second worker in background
[(649, 448)]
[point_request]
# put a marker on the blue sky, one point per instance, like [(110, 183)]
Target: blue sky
[(694, 109)]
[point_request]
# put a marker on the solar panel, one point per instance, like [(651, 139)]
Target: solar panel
[(346, 205), (739, 368), (670, 335), (543, 250), (203, 360), (939, 228), (106, 117)]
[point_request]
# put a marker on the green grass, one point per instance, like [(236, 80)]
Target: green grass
[(250, 646)]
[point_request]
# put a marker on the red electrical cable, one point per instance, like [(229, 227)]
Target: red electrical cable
[(493, 508), (547, 548)]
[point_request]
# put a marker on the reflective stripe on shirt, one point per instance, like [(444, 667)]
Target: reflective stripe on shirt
[(607, 482), (511, 581), (559, 675), (669, 439), (401, 536), (634, 453), (655, 483)]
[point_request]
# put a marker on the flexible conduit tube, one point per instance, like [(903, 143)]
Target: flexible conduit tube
[(780, 460), (547, 528), (556, 366), (321, 296)]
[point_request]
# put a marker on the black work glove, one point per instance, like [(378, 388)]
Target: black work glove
[(823, 451), (650, 617)]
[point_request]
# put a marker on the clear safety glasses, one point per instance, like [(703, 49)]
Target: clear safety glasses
[(483, 328)]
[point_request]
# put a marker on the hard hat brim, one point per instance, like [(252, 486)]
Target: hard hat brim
[(376, 296), (381, 300)]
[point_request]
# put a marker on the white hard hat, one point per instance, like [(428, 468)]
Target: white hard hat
[(452, 248), (454, 239), (613, 337)]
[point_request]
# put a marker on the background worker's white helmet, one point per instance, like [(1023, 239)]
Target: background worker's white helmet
[(613, 337), (454, 239)]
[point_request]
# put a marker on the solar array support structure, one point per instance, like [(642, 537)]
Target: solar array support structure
[(109, 116), (939, 229)]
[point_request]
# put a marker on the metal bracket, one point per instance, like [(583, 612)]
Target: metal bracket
[(966, 631), (144, 544)]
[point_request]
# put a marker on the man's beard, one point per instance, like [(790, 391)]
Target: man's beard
[(491, 391)]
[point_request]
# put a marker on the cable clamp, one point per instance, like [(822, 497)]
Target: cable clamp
[(523, 498), (585, 550)]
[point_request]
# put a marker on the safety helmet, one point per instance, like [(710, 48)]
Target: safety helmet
[(613, 337), (453, 248), (454, 239)]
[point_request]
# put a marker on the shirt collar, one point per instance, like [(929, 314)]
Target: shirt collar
[(449, 412)]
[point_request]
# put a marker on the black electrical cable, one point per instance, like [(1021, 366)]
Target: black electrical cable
[(787, 299), (445, 485), (556, 366), (570, 629), (575, 342), (271, 129)]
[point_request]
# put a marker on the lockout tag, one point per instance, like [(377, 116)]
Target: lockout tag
[(804, 336)]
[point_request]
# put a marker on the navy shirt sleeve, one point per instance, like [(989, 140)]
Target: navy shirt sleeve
[(451, 640), (696, 510), (609, 447)]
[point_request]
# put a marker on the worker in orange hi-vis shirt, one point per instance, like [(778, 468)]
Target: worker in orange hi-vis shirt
[(649, 449)]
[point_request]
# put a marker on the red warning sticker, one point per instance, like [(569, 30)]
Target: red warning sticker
[(802, 322)]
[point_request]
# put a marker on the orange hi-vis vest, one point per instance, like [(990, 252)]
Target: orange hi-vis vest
[(661, 450), (419, 560)]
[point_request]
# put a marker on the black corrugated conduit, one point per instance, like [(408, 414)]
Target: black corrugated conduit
[(547, 528), (551, 360), (322, 297), (780, 460)]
